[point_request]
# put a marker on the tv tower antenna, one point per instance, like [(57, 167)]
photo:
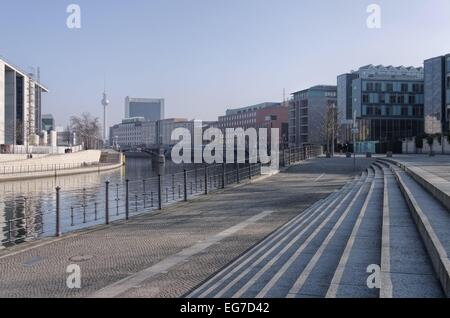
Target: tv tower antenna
[(105, 103)]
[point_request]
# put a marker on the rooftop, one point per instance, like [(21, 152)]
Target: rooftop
[(381, 71), (318, 88), (251, 108), (22, 72)]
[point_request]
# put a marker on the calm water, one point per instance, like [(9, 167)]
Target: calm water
[(28, 208)]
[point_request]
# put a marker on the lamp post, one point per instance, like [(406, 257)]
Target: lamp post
[(355, 130), (333, 127)]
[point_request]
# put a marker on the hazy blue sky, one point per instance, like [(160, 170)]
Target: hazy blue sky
[(203, 56)]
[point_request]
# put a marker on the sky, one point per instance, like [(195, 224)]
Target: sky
[(204, 56)]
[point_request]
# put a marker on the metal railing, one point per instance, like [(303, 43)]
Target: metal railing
[(297, 154), (120, 201), (38, 168)]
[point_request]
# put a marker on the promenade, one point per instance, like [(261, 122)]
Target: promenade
[(384, 235), (171, 252)]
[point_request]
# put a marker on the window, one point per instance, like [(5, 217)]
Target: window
[(404, 88), (378, 87), (392, 99), (404, 111), (389, 87)]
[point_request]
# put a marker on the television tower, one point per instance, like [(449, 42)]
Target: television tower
[(105, 103)]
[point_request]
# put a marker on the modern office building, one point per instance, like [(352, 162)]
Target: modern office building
[(133, 132), (437, 95), (307, 115), (20, 105), (388, 103), (48, 122), (245, 117), (152, 109), (265, 115)]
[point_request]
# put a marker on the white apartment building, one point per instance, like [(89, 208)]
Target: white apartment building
[(133, 132), (20, 106)]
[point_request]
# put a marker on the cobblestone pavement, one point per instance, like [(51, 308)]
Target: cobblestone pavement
[(169, 253)]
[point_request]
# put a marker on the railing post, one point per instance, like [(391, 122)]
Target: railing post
[(58, 211), (159, 193), (144, 195), (206, 179), (195, 176), (224, 173), (238, 176), (127, 200), (107, 202), (185, 185)]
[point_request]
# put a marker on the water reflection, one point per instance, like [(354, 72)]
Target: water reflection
[(27, 208)]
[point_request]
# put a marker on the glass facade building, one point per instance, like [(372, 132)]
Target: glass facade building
[(20, 105), (388, 103), (151, 109), (437, 95)]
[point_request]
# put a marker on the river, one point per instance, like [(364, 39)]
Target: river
[(28, 208)]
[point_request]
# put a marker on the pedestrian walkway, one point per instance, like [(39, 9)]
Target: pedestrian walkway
[(382, 235), (169, 253)]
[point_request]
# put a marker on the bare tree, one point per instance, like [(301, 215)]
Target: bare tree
[(329, 128), (88, 130)]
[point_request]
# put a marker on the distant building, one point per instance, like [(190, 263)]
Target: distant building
[(437, 95), (307, 113), (152, 109), (266, 115), (388, 103), (133, 132), (20, 105), (48, 122), (165, 128)]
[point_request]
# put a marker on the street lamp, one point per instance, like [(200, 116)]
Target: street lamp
[(333, 127), (355, 130)]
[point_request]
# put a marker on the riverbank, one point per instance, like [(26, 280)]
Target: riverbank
[(58, 165)]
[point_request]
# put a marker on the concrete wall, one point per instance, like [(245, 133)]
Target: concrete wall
[(45, 149), (410, 147)]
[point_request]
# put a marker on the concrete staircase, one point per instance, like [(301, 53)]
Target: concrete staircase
[(382, 235)]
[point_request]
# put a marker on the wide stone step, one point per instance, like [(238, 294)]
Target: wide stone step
[(433, 223), (315, 279), (251, 273), (363, 249), (406, 269)]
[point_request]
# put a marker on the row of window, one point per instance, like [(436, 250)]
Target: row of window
[(238, 116), (389, 129), (236, 123), (393, 87), (397, 110), (376, 98)]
